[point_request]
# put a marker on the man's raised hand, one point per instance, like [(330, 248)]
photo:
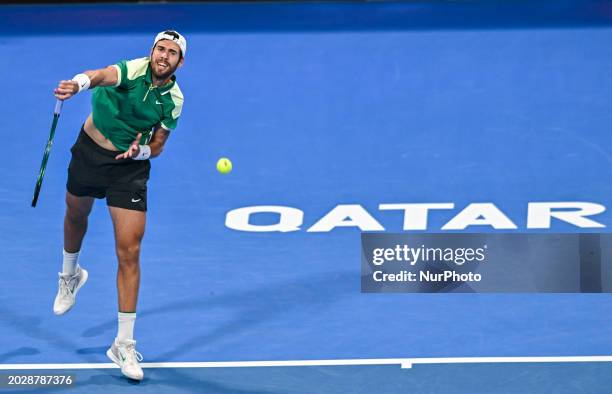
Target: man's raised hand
[(132, 151)]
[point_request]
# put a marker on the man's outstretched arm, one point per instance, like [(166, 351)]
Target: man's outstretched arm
[(102, 77)]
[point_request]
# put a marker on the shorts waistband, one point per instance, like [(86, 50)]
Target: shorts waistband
[(86, 139)]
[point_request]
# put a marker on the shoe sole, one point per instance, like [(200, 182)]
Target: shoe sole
[(111, 355), (76, 291)]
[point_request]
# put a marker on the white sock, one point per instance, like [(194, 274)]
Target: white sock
[(126, 326), (71, 260)]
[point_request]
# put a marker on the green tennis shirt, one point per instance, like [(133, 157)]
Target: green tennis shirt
[(134, 105)]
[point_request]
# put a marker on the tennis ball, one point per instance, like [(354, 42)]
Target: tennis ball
[(224, 165)]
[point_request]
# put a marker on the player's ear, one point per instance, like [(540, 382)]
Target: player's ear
[(180, 63)]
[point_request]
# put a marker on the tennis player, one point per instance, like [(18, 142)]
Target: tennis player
[(135, 105)]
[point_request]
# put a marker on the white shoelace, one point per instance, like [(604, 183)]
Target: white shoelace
[(132, 355), (64, 285)]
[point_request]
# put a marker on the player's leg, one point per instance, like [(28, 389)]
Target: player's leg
[(126, 198), (129, 228), (79, 201)]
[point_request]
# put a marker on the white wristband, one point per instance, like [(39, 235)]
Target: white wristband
[(144, 154), (83, 81)]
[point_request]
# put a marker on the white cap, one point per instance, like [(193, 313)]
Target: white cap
[(172, 36)]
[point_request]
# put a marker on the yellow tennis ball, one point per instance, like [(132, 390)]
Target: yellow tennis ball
[(224, 165)]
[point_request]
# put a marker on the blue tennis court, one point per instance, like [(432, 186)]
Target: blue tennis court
[(318, 105)]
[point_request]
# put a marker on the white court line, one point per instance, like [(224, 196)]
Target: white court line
[(403, 362), (471, 360)]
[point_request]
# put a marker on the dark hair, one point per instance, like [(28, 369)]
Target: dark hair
[(172, 33)]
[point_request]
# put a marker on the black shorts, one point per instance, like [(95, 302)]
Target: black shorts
[(94, 172)]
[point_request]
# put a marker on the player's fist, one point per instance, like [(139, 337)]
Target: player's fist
[(66, 89)]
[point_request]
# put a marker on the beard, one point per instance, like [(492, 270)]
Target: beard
[(162, 75)]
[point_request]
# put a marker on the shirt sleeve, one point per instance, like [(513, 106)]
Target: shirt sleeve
[(121, 68), (129, 71), (172, 114), (169, 123)]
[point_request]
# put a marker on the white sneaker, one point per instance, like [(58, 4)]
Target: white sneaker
[(124, 354), (67, 290)]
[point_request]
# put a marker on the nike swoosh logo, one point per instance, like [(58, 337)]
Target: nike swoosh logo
[(136, 200), (157, 102)]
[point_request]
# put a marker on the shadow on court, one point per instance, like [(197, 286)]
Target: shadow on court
[(249, 309)]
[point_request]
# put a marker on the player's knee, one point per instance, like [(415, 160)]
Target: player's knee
[(128, 254), (76, 214)]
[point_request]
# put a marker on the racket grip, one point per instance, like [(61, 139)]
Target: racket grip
[(58, 107)]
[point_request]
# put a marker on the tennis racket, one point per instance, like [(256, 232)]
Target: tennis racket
[(43, 165)]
